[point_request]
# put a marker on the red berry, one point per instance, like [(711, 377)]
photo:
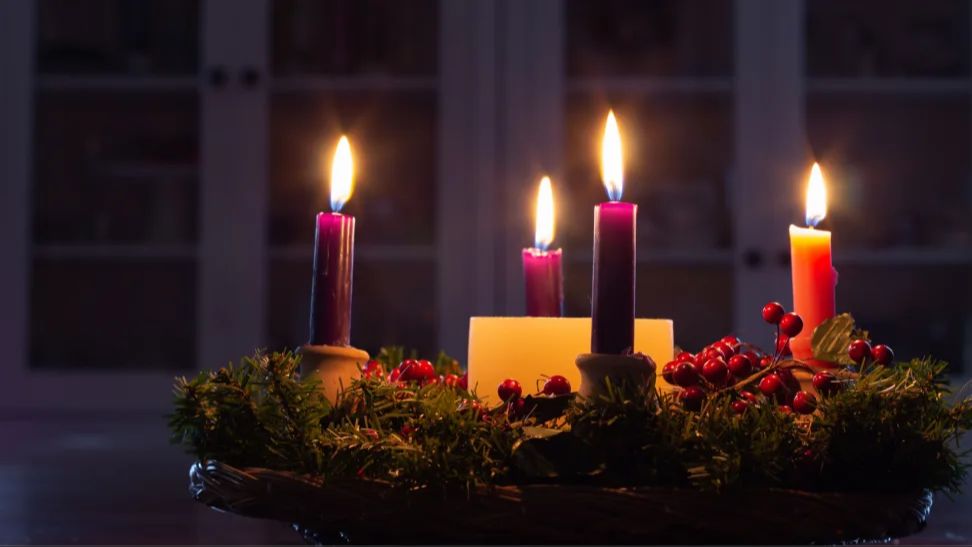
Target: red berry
[(727, 349), (804, 402), (859, 350), (770, 384), (882, 354), (825, 382), (740, 366), (773, 312), (394, 375), (789, 380), (715, 371), (463, 382), (427, 369), (752, 356), (785, 409), (710, 353), (692, 398), (684, 356), (765, 361), (749, 396), (556, 385), (668, 371), (373, 369), (431, 381), (407, 430), (731, 340), (791, 324), (509, 389), (451, 380), (739, 406), (783, 344), (685, 375)]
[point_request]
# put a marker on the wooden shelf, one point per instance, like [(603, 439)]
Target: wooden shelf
[(292, 84), (107, 251), (151, 84), (903, 86), (371, 253), (649, 85), (905, 256), (670, 257)]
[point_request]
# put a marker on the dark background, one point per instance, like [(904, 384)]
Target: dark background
[(162, 161)]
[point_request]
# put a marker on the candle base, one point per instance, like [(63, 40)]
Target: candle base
[(334, 366), (596, 367)]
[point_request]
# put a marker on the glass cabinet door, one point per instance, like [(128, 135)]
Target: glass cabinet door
[(666, 69), (367, 69), (888, 115), (114, 202)]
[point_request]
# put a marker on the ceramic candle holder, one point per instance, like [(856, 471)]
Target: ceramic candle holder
[(334, 366), (596, 367)]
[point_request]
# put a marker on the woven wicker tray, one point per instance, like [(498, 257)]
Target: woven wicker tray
[(362, 511)]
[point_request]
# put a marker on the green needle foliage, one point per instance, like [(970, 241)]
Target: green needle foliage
[(889, 429)]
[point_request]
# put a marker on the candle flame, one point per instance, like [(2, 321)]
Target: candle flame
[(612, 168), (342, 175), (545, 215), (816, 197)]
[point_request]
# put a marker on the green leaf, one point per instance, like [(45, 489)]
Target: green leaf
[(831, 338), (550, 453)]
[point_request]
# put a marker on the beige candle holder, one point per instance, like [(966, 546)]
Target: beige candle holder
[(596, 367), (334, 366)]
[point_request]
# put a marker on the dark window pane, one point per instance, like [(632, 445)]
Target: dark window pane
[(657, 38), (393, 304), (342, 37), (115, 168), (131, 315), (882, 38), (897, 168), (118, 36), (678, 151), (921, 310), (393, 140)]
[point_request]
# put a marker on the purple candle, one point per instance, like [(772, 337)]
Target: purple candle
[(542, 268), (613, 283), (330, 307)]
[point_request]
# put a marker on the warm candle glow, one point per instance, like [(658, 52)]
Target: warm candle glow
[(342, 175), (545, 216), (612, 169), (816, 197)]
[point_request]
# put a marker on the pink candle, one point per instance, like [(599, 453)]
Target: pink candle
[(613, 286), (544, 282), (542, 269), (330, 307), (814, 277)]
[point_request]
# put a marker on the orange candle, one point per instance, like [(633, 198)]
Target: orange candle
[(814, 277)]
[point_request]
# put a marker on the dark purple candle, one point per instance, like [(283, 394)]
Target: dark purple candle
[(330, 307), (613, 290), (330, 316), (613, 287), (542, 272)]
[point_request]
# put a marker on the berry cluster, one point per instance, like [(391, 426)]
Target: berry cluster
[(749, 374), (414, 371), (861, 352)]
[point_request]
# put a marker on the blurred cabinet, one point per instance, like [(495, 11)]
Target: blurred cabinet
[(888, 109)]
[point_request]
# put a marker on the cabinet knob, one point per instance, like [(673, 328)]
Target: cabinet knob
[(249, 77), (753, 258), (217, 77)]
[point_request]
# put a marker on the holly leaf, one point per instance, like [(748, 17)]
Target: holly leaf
[(831, 338)]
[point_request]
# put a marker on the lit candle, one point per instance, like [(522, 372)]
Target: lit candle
[(542, 268), (330, 308), (814, 277), (613, 287)]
